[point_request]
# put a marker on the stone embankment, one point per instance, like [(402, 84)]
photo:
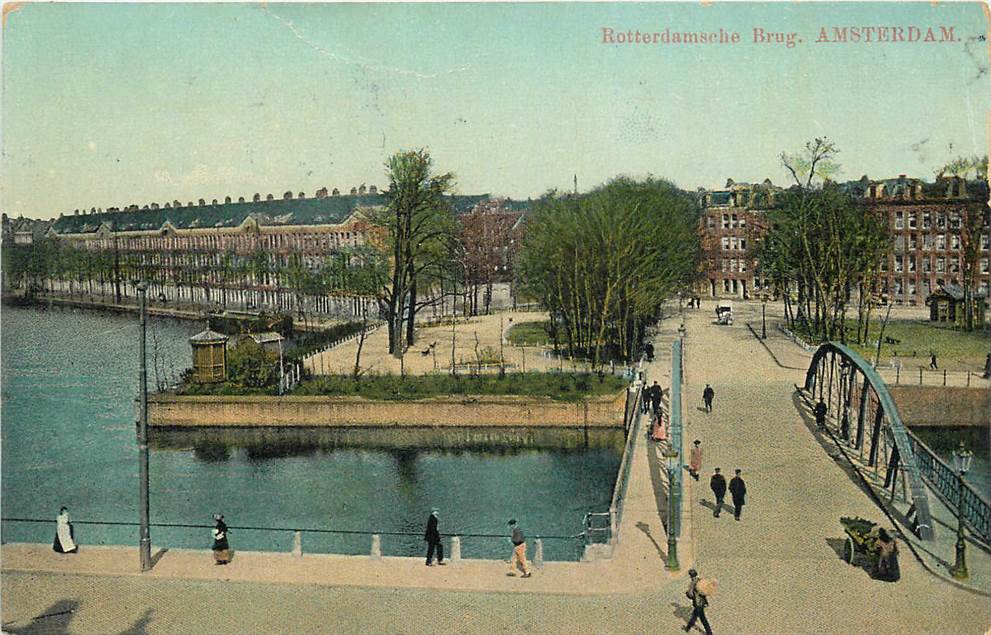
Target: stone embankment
[(942, 405), (316, 411)]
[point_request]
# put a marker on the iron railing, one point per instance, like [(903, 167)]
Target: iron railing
[(946, 483)]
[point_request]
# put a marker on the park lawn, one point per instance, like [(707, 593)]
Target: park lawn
[(529, 334), (955, 349), (557, 386)]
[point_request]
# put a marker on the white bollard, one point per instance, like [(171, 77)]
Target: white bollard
[(455, 549), (297, 544), (538, 553), (376, 547)]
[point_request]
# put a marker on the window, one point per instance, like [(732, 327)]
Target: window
[(984, 265), (927, 220), (725, 264), (927, 265), (898, 264), (743, 265), (911, 265), (940, 264), (711, 221), (743, 244), (725, 221), (941, 242), (912, 220), (954, 241), (732, 243), (940, 221), (913, 242), (955, 220), (927, 241), (725, 243), (954, 265), (985, 240), (911, 288), (743, 221), (734, 224), (899, 220), (899, 243), (726, 286), (898, 287)]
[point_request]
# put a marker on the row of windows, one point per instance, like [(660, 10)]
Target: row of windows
[(734, 264), (941, 219), (940, 263), (910, 288), (294, 240), (732, 243), (729, 221)]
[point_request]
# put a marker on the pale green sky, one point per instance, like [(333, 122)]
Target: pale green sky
[(107, 105)]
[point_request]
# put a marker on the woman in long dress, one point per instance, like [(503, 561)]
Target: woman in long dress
[(660, 432), (221, 548), (65, 539)]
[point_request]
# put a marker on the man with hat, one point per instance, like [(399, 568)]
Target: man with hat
[(697, 590), (432, 536), (519, 550)]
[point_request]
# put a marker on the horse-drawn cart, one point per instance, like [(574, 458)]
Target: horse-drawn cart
[(861, 540)]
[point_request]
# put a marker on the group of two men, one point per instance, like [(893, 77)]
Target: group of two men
[(517, 560), (737, 489)]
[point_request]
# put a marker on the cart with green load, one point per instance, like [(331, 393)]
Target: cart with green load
[(861, 540)]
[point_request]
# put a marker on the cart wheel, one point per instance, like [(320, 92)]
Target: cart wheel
[(848, 551)]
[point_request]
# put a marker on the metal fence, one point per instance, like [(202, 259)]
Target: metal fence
[(923, 376), (944, 481), (631, 425)]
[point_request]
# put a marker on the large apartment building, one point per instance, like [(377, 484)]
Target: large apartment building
[(928, 223)]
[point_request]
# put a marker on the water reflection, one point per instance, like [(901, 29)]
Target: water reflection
[(215, 444)]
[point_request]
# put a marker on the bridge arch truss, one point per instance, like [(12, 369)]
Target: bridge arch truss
[(867, 421)]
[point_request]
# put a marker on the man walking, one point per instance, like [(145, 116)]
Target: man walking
[(519, 551), (432, 536), (820, 412), (655, 393), (718, 486), (738, 490), (699, 602), (707, 396), (932, 362)]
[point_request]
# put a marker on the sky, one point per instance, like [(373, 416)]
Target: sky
[(112, 104)]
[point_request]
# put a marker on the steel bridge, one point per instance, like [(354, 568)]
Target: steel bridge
[(866, 420)]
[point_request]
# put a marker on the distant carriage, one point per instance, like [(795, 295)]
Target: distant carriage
[(724, 313)]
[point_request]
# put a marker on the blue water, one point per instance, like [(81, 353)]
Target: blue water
[(68, 396)]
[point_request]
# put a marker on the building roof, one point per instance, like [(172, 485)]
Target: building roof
[(297, 211), (208, 337), (267, 337)]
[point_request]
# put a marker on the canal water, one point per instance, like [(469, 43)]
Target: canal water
[(944, 439), (68, 434)]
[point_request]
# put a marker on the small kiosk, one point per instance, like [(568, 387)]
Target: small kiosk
[(209, 357)]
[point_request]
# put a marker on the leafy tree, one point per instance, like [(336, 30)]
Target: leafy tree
[(250, 366)]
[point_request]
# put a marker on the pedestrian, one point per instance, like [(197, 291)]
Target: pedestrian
[(65, 535), (655, 392), (700, 601), (820, 413), (987, 367), (221, 548), (519, 551), (660, 432), (649, 349), (695, 459), (932, 362), (707, 396), (738, 490), (887, 561), (432, 536), (718, 486)]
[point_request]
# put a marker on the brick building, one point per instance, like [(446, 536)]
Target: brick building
[(928, 222)]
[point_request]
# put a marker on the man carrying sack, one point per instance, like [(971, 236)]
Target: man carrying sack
[(699, 592)]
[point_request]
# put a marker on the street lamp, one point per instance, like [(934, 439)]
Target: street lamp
[(763, 316), (961, 461), (671, 463), (144, 551)]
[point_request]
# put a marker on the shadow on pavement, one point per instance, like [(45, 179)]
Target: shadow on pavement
[(54, 620), (139, 627), (645, 528)]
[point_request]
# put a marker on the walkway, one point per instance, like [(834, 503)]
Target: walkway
[(780, 568)]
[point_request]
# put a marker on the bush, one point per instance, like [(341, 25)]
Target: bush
[(249, 366)]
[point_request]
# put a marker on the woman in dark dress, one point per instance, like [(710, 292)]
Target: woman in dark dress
[(887, 560), (221, 548)]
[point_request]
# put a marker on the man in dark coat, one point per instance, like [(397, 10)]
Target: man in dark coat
[(820, 412), (649, 350), (718, 485), (699, 603), (738, 490), (655, 393), (707, 396), (432, 536)]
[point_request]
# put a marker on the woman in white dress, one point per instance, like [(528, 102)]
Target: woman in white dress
[(65, 539)]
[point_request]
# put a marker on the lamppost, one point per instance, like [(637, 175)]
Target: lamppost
[(961, 461), (763, 316), (143, 506), (671, 463)]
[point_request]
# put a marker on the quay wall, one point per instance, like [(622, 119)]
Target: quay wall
[(167, 410), (942, 405)]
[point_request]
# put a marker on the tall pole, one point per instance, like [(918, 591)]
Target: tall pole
[(143, 507), (763, 318), (959, 570), (672, 562)]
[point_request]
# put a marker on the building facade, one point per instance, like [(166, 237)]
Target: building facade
[(933, 225)]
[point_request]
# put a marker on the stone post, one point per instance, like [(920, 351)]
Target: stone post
[(297, 544), (455, 549), (376, 547), (538, 553)]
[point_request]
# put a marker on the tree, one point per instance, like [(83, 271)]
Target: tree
[(416, 230), (250, 366), (816, 160), (603, 263)]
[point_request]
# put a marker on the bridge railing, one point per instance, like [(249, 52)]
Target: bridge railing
[(945, 482), (632, 427)]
